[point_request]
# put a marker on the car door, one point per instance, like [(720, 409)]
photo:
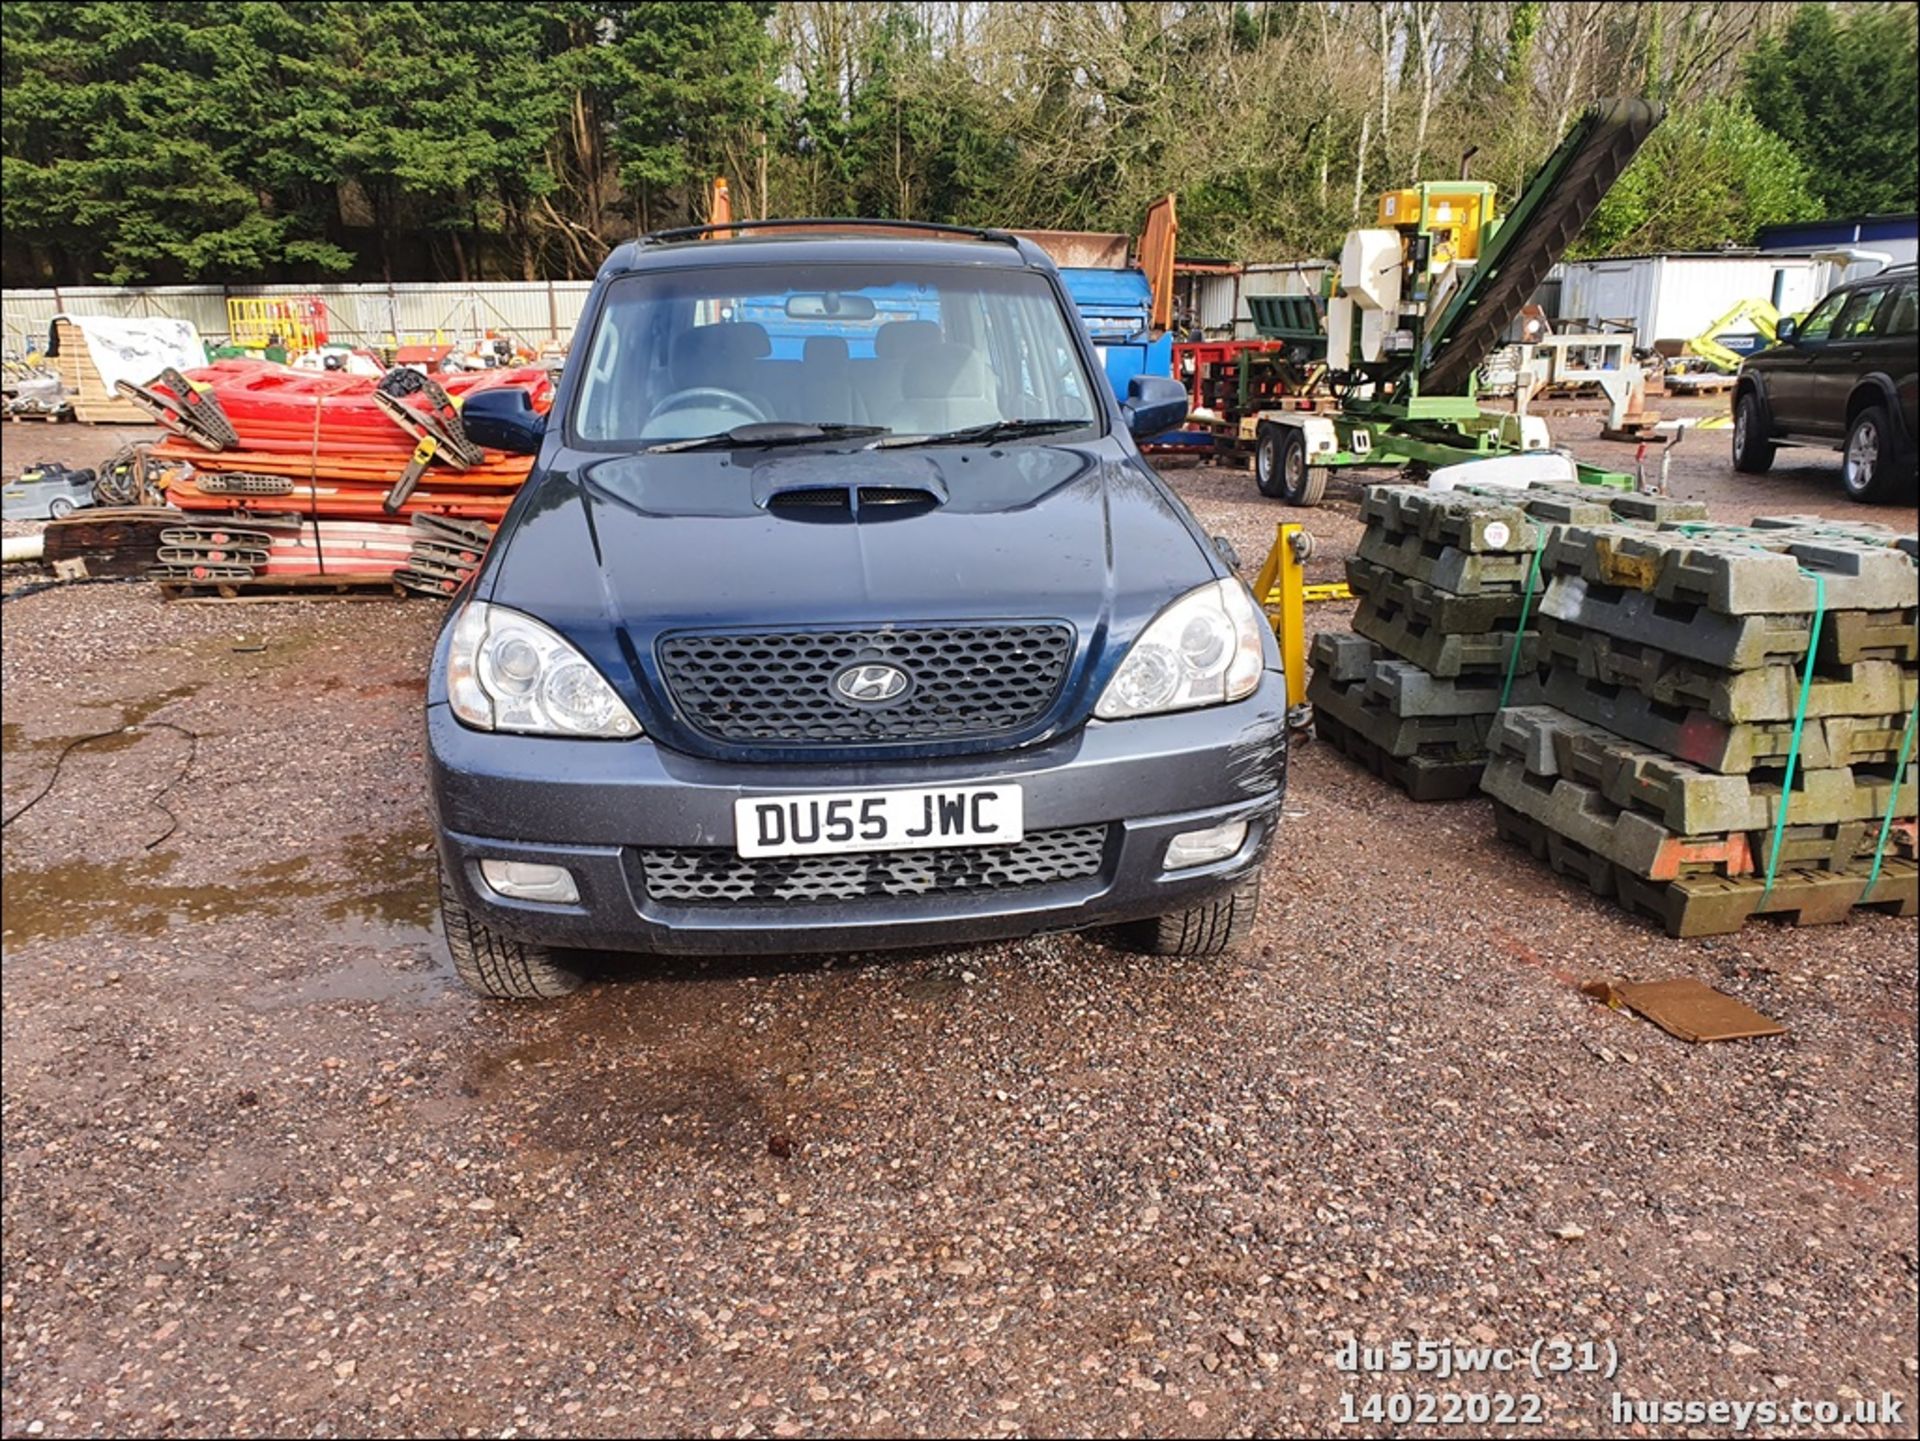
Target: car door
[(1843, 359), (1897, 333), (1789, 371)]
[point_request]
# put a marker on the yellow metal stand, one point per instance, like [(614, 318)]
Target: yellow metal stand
[(1284, 594)]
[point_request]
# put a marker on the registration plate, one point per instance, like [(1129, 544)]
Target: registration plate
[(903, 820)]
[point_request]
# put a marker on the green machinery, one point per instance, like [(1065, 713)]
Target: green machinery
[(1423, 298)]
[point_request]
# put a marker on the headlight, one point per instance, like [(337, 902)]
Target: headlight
[(1204, 649), (508, 672)]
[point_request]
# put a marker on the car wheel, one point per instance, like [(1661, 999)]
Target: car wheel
[(59, 507), (1752, 452), (1870, 467), (496, 966), (1206, 930)]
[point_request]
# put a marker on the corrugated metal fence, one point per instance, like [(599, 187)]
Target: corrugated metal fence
[(531, 311)]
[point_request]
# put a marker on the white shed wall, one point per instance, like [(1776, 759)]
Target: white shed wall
[(1675, 297), (357, 314)]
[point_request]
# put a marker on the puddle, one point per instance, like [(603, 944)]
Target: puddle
[(134, 712), (376, 972), (386, 896)]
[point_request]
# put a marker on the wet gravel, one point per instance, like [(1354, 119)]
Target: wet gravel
[(268, 1171)]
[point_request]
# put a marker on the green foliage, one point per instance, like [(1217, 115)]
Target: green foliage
[(240, 140), (1738, 174), (1843, 89), (696, 90)]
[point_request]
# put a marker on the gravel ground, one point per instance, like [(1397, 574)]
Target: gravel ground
[(268, 1171)]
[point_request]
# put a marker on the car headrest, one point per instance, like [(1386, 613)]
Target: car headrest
[(824, 349), (946, 371), (898, 339), (705, 353)]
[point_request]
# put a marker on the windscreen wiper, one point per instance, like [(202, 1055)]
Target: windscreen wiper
[(984, 434), (770, 432)]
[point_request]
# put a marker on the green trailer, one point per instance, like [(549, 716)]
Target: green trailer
[(1424, 297)]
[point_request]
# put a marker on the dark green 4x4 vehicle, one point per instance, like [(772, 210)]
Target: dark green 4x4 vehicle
[(1847, 377)]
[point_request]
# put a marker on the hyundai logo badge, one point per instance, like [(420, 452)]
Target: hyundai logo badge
[(871, 684)]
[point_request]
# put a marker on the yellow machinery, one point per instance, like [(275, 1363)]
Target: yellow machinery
[(1707, 357), (293, 324), (1284, 595), (1453, 214)]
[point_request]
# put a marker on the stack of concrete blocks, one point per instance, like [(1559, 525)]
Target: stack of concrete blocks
[(1443, 584), (1655, 765)]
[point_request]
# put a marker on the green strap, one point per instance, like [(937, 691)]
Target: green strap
[(1799, 725), (1526, 606), (1893, 802)]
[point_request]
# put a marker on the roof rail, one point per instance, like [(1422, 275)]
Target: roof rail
[(696, 232)]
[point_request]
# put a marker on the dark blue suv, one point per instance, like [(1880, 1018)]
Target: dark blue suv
[(841, 611)]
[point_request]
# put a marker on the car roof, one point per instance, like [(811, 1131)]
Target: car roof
[(833, 241), (1892, 272)]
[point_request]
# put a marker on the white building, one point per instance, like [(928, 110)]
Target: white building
[(1671, 298)]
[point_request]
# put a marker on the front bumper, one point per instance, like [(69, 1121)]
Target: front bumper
[(593, 806)]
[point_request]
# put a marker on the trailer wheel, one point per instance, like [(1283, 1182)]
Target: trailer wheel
[(1266, 464), (1296, 482)]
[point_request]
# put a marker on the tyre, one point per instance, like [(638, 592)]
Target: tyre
[(1752, 452), (1870, 464), (59, 508), (1212, 929), (1300, 483), (1266, 464), (496, 966)]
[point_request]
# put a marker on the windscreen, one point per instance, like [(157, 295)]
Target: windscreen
[(916, 349)]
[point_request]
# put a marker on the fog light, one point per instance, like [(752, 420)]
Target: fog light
[(525, 881), (1196, 848)]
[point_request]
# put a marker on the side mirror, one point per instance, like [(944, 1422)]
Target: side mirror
[(503, 418), (1784, 332), (1154, 405)]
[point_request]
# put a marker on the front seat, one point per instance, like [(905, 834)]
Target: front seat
[(895, 345), (826, 381), (946, 387), (723, 356)]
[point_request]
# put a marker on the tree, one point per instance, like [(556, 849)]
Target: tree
[(1739, 177), (131, 154), (242, 140), (1841, 90), (693, 86)]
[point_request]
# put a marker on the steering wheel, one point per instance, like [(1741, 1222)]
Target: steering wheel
[(683, 399)]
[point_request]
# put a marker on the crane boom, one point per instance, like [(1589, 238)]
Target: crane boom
[(1549, 217)]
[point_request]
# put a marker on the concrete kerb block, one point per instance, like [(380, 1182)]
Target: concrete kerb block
[(1343, 657), (1764, 693), (1733, 577)]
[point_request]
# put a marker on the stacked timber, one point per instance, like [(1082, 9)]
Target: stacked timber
[(1725, 723), (94, 402), (1445, 632)]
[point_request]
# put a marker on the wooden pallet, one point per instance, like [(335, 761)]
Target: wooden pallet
[(1719, 905), (108, 541), (14, 417), (93, 402), (266, 588)]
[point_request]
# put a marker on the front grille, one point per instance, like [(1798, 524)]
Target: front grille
[(775, 687), (711, 876)]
